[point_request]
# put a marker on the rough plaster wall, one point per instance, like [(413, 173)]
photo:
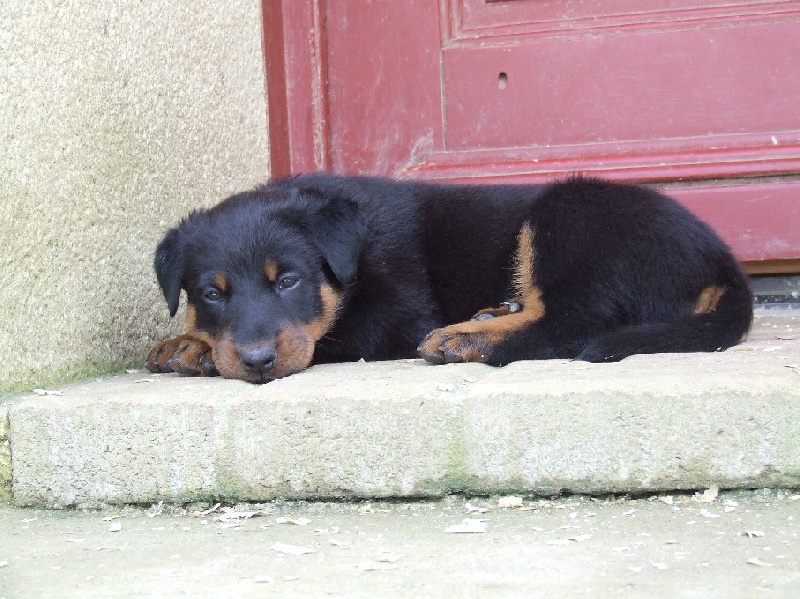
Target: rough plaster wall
[(116, 118)]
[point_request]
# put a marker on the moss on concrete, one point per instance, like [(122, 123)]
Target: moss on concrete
[(5, 454), (68, 376)]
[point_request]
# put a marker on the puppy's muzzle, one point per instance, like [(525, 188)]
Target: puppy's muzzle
[(259, 362)]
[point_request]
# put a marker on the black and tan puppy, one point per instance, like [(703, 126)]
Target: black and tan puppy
[(321, 268)]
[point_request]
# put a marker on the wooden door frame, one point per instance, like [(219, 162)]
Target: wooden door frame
[(296, 67)]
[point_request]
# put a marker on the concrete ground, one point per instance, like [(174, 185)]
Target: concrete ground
[(736, 545)]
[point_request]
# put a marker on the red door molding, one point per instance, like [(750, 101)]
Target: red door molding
[(296, 64)]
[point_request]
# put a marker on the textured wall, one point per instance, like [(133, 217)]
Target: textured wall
[(116, 118)]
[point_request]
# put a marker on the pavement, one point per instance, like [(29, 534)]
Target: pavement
[(406, 429), (727, 545)]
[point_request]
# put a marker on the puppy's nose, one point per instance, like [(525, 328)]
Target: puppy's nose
[(258, 360)]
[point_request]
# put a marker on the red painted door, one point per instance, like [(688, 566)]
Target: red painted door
[(701, 97)]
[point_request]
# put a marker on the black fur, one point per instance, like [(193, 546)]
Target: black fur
[(620, 268)]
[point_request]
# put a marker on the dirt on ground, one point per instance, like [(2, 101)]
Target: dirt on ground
[(736, 544)]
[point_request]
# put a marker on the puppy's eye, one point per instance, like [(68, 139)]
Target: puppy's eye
[(287, 282), (213, 295)]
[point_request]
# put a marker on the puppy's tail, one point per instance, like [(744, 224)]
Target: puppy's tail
[(715, 326)]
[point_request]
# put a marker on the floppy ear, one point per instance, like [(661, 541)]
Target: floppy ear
[(339, 228), (169, 264)]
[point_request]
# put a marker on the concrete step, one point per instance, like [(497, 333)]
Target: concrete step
[(408, 429)]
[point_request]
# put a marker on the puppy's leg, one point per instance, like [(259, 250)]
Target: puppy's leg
[(498, 335), (186, 354), (490, 339)]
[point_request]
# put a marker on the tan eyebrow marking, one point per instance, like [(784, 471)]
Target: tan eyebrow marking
[(271, 270)]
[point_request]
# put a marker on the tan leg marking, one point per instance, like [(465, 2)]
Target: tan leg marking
[(708, 299), (472, 341)]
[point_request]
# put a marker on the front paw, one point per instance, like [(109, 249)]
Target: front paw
[(185, 355), (463, 342)]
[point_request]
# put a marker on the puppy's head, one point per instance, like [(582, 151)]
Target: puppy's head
[(264, 274)]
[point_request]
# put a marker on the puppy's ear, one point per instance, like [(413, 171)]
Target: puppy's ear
[(169, 264), (339, 227)]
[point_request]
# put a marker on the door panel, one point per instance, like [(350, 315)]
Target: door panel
[(622, 88), (683, 91), (379, 110)]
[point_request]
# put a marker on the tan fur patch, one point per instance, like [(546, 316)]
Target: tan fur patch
[(473, 340), (525, 286), (294, 343), (204, 337), (191, 318), (221, 282), (271, 270), (294, 350), (708, 299), (524, 262), (187, 354), (323, 323), (226, 359)]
